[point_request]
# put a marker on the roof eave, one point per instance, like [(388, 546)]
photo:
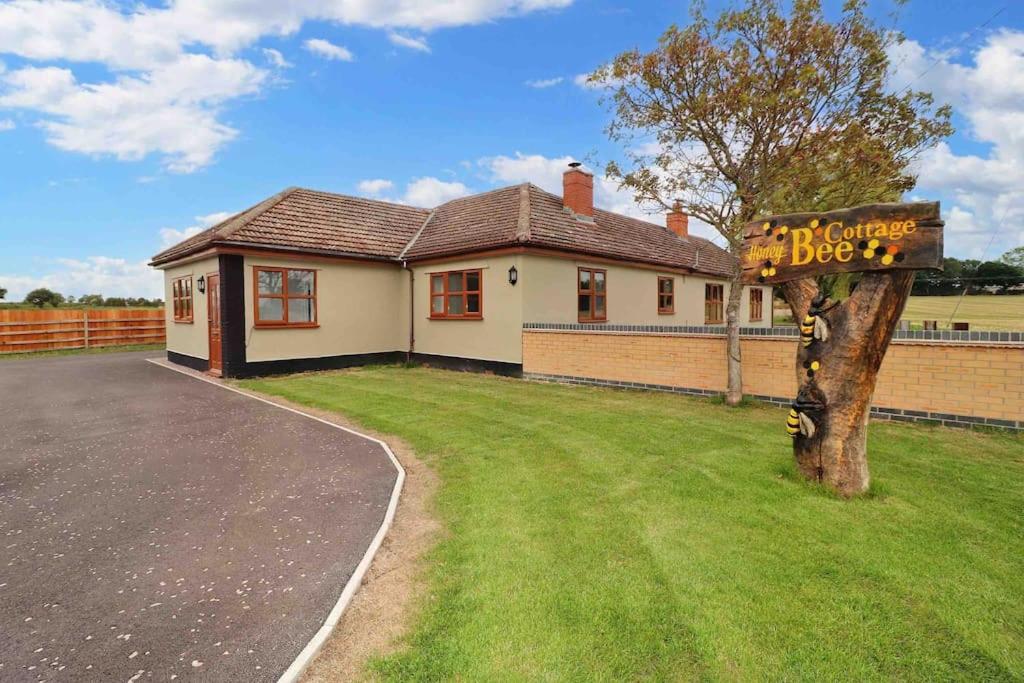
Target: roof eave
[(532, 247)]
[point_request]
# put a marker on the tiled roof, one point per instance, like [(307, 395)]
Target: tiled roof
[(481, 221), (521, 215), (495, 219), (306, 220)]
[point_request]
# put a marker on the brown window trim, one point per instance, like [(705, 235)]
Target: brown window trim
[(718, 304), (179, 299), (670, 296), (592, 293), (284, 296), (446, 292), (760, 304)]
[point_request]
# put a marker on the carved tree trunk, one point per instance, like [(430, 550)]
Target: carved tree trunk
[(734, 390), (841, 387)]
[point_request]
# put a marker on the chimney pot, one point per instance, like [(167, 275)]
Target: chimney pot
[(578, 190), (677, 221)]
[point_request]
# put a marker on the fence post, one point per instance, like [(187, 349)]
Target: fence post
[(86, 327)]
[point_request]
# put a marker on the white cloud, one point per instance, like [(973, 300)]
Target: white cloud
[(988, 92), (409, 41), (430, 192), (134, 110), (583, 81), (276, 58), (171, 236), (171, 110), (6, 124), (141, 36), (426, 192), (328, 50), (544, 82), (375, 187), (93, 275), (546, 173)]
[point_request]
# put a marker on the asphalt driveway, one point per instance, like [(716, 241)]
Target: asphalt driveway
[(159, 527)]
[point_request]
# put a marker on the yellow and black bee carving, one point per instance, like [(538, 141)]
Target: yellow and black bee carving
[(807, 406), (814, 327), (799, 423)]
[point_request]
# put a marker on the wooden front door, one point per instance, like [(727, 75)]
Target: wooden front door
[(213, 321)]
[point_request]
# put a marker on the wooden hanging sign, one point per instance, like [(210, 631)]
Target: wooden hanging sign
[(871, 237)]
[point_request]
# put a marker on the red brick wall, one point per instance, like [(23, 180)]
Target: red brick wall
[(971, 379)]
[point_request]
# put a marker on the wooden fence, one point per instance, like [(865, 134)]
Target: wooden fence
[(23, 331)]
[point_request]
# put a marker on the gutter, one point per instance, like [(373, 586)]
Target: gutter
[(412, 282), (412, 312)]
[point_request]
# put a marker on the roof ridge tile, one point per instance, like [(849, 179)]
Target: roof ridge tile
[(524, 221), (401, 255)]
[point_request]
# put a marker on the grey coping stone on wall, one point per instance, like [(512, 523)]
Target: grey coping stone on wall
[(789, 331)]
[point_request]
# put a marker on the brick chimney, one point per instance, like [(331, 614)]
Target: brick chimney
[(578, 190), (677, 221)]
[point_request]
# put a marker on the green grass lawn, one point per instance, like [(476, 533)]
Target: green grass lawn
[(80, 352), (607, 535)]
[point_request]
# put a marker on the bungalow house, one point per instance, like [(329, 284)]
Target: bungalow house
[(310, 280)]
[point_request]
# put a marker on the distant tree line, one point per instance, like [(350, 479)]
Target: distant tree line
[(43, 297), (1005, 276)]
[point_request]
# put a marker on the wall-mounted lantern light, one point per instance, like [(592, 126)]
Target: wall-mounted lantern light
[(201, 284), (513, 276)]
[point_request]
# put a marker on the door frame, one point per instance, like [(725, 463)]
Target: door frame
[(210, 279)]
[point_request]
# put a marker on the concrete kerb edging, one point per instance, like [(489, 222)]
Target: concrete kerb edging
[(314, 646)]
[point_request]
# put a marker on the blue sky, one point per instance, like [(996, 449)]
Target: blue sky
[(125, 128)]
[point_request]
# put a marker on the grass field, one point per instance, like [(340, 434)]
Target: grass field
[(983, 312), (596, 534), (78, 352)]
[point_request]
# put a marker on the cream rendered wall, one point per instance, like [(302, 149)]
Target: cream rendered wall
[(498, 336), (362, 308), (549, 294), (189, 339)]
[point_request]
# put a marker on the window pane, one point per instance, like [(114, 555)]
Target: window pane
[(666, 286), (270, 282), (585, 279), (584, 304), (599, 281), (454, 282), (271, 309), (437, 305), (473, 282), (188, 287), (455, 305), (300, 311), (300, 282), (437, 283), (599, 307), (472, 303)]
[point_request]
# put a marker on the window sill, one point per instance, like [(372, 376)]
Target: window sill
[(455, 317), (286, 326), (184, 322), (714, 322), (666, 312), (589, 321)]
